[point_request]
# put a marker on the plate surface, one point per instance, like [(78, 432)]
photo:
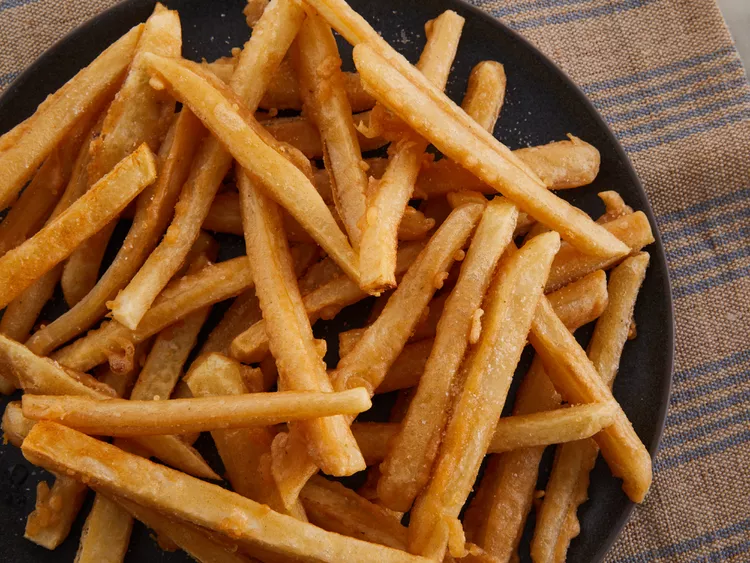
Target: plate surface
[(541, 105)]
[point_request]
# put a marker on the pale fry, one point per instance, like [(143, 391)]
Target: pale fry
[(273, 34), (484, 156), (15, 426), (214, 283), (324, 302), (119, 417), (20, 267), (406, 469), (335, 508), (575, 377), (510, 307), (81, 96), (290, 336), (113, 471), (485, 94), (220, 112), (385, 209), (56, 508), (324, 102), (570, 264), (138, 114), (551, 427), (106, 533)]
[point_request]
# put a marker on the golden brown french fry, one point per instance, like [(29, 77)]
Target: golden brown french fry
[(301, 133), (569, 478), (82, 96), (290, 336), (372, 439), (106, 533), (614, 206), (575, 377), (115, 472), (119, 417), (385, 209), (324, 302), (283, 91), (407, 368), (462, 140), (333, 507), (485, 93), (253, 10), (139, 114), (56, 508), (23, 265), (246, 452), (220, 111), (214, 283), (510, 304), (123, 379), (274, 33), (316, 59), (15, 426), (570, 264), (190, 539), (406, 469), (244, 312), (582, 301)]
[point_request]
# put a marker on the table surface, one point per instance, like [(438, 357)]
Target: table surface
[(737, 14)]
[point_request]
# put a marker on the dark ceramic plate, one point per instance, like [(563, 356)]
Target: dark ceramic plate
[(542, 105)]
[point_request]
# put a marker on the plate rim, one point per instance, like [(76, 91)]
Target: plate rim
[(125, 6)]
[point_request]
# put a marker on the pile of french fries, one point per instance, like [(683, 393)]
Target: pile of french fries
[(464, 254)]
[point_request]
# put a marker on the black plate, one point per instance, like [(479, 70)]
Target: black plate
[(542, 104)]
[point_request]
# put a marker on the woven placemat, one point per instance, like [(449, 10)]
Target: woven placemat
[(666, 76)]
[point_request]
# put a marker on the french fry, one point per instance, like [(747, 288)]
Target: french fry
[(119, 417), (569, 265), (214, 283), (244, 312), (456, 136), (112, 471), (23, 265), (283, 91), (316, 59), (106, 533), (575, 377), (82, 96), (123, 379), (56, 508), (372, 439), (510, 307), (246, 452), (485, 93), (406, 469), (385, 209), (274, 33), (290, 336), (15, 426), (333, 507), (576, 459), (407, 368), (324, 302), (615, 207), (138, 115), (241, 134)]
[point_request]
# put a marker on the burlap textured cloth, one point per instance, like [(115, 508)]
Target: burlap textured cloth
[(666, 76)]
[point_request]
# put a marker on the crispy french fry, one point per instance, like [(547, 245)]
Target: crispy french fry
[(214, 283), (106, 533), (324, 102), (614, 206), (240, 133), (290, 336), (139, 114), (123, 379), (324, 302), (244, 312), (575, 377), (407, 368), (246, 452), (462, 140), (485, 93), (385, 209), (119, 417), (406, 469), (333, 507), (570, 264), (56, 508), (576, 459), (372, 439), (20, 267), (510, 304), (15, 425), (274, 33), (113, 471), (82, 96)]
